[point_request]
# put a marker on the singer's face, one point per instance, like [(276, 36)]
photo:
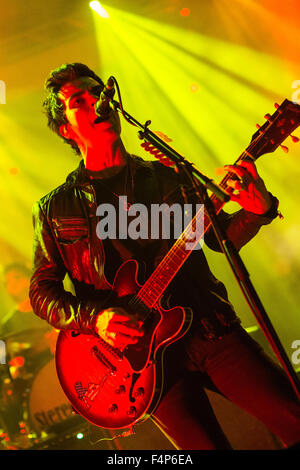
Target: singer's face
[(79, 98)]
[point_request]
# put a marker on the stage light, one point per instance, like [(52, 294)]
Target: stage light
[(194, 87), (185, 12), (79, 435), (99, 9)]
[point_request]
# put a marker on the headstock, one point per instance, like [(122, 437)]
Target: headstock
[(266, 139), (275, 130)]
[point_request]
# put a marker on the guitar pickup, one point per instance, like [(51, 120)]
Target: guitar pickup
[(98, 354)]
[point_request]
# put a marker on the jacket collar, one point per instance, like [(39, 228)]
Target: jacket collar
[(80, 177), (76, 177)]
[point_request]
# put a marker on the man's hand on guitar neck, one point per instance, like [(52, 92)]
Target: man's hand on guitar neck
[(118, 328), (252, 194)]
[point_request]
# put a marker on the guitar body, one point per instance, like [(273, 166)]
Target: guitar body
[(116, 389)]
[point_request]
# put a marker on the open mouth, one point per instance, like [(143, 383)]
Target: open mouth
[(104, 124), (100, 119)]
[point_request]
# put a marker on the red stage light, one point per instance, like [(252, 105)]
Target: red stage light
[(185, 11), (17, 361)]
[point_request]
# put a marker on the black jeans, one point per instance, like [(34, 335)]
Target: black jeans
[(237, 367)]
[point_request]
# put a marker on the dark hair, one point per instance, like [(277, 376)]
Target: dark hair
[(53, 106), (21, 268)]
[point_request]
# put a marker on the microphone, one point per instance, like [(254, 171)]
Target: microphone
[(102, 107)]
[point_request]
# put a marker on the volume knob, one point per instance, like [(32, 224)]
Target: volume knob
[(132, 411), (113, 408), (140, 392)]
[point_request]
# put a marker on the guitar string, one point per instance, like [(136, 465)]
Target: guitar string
[(143, 295), (175, 249)]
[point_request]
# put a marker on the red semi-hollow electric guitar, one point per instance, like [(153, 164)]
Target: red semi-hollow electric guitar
[(116, 389)]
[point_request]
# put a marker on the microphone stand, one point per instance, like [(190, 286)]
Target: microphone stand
[(178, 159), (243, 278), (236, 264)]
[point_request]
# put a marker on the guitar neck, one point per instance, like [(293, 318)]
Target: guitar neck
[(161, 277), (266, 139)]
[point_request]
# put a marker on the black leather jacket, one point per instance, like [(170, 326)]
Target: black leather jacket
[(65, 241)]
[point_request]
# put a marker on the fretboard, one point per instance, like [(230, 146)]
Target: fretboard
[(161, 277)]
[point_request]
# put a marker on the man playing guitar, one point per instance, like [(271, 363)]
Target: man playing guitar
[(215, 351)]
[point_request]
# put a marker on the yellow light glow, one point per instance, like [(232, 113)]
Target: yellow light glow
[(99, 9)]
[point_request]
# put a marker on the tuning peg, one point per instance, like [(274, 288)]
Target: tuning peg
[(284, 148), (294, 138), (267, 116), (277, 107), (258, 127)]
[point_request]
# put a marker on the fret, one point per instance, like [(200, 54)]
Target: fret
[(270, 135), (175, 258)]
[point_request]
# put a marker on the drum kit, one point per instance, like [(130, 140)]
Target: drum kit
[(34, 411)]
